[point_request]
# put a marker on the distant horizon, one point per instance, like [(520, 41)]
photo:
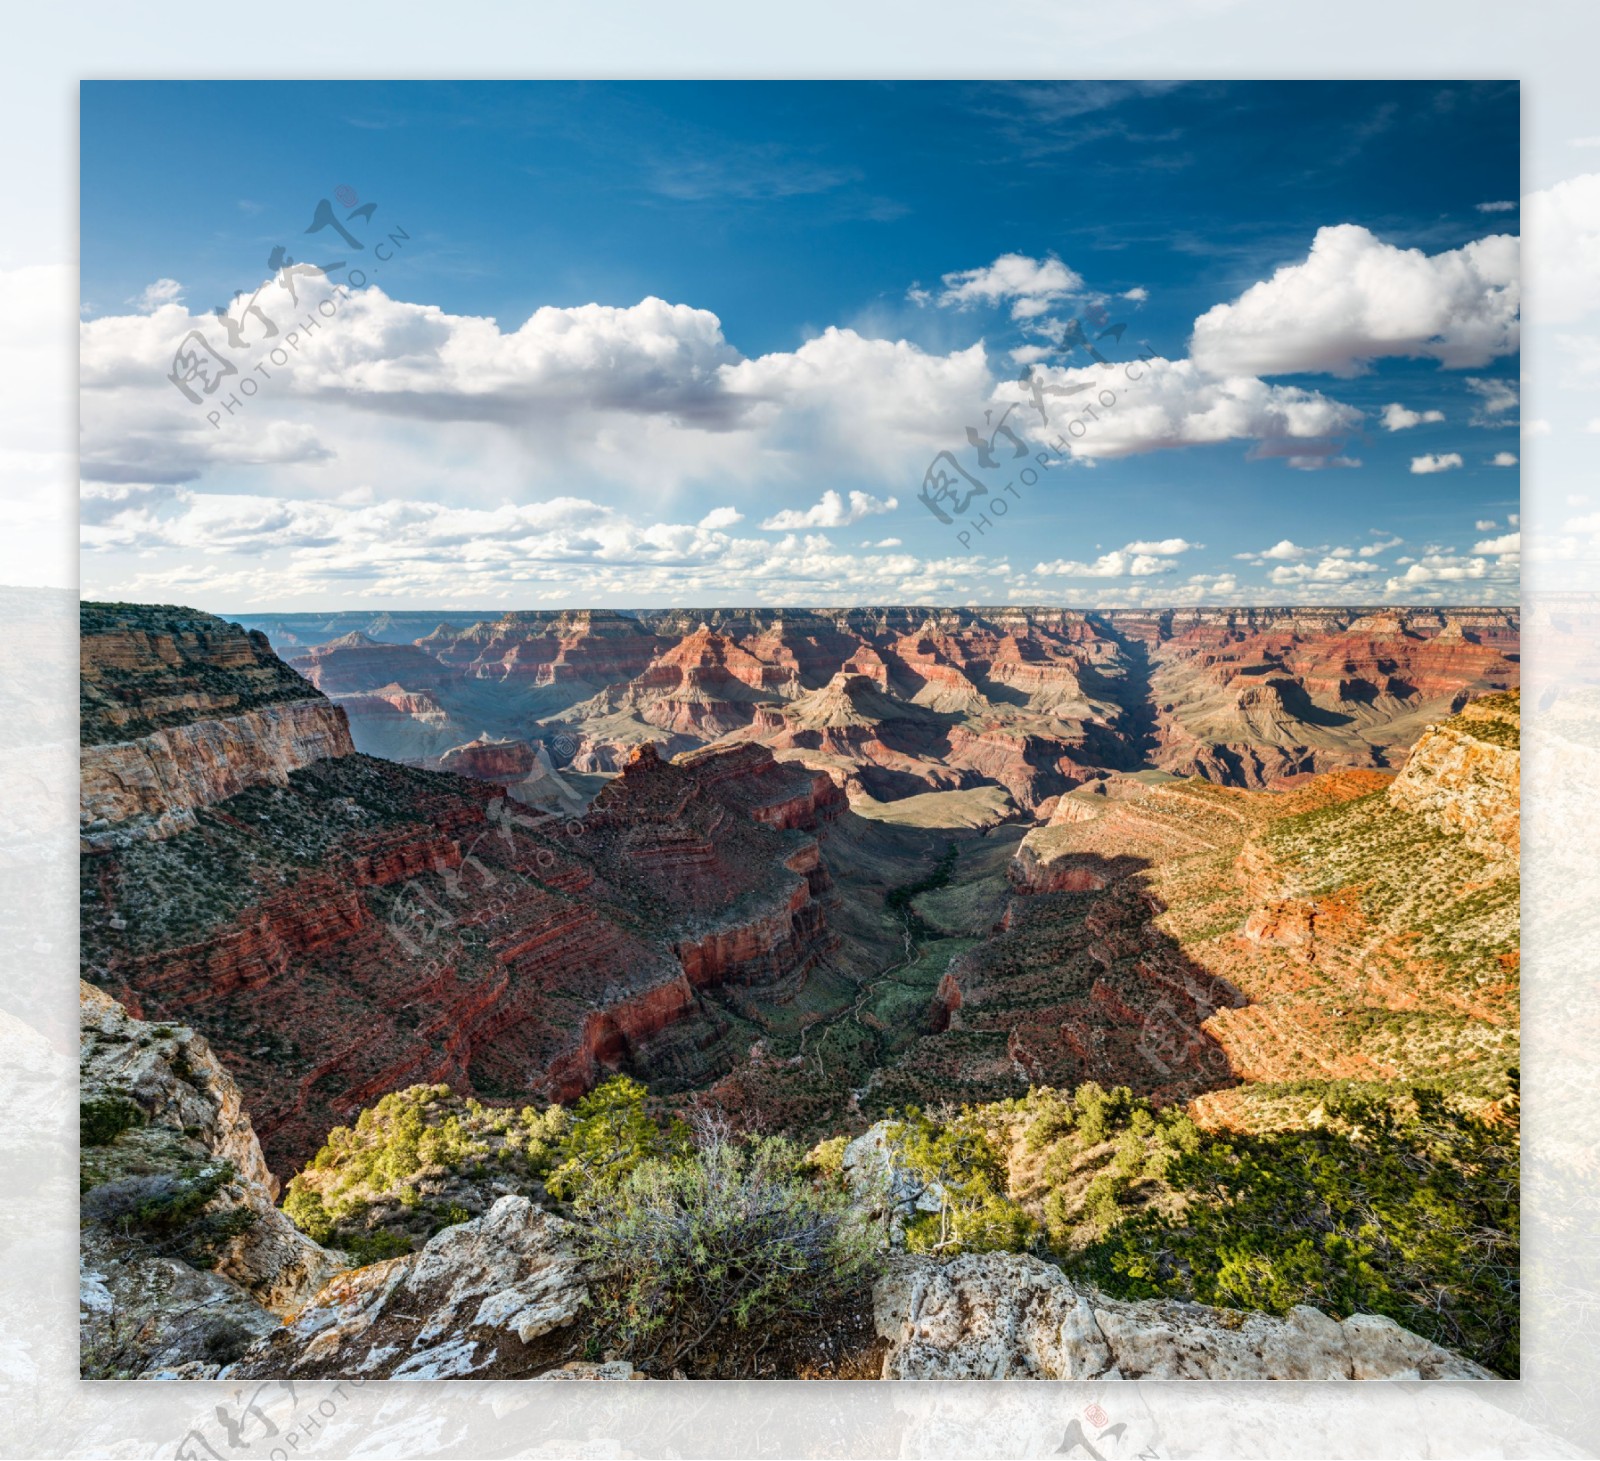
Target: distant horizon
[(731, 608)]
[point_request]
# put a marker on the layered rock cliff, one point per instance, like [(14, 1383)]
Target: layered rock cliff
[(1035, 700), (180, 711), (182, 1249), (340, 927), (1465, 776)]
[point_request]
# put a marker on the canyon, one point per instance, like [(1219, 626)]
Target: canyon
[(805, 870), (743, 919), (899, 701)]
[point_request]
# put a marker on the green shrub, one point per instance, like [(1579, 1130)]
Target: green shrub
[(103, 1120), (1407, 1208), (728, 1235), (959, 1159), (611, 1135)]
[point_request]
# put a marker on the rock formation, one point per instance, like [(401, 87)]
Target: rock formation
[(342, 927), (174, 1117), (1009, 1316), (899, 701)]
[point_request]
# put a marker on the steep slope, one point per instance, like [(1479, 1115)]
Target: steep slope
[(341, 926), (1367, 922)]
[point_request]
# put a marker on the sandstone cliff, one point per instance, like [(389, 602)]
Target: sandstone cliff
[(181, 711), (1465, 776)]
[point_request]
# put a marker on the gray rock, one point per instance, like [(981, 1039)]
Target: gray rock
[(1011, 1316)]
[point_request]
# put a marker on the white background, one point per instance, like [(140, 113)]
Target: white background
[(1550, 47)]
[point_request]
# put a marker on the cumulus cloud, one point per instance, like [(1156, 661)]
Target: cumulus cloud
[(1159, 403), (831, 512), (247, 549), (153, 296), (1438, 568), (648, 397), (1120, 563), (1562, 224), (1497, 398), (1164, 547), (1330, 570), (1283, 550), (1139, 294), (1032, 286), (1141, 559), (1432, 462), (1398, 418), (1503, 459), (721, 517), (1506, 543), (1383, 545), (1356, 299)]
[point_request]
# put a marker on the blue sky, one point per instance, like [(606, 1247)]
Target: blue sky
[(849, 275)]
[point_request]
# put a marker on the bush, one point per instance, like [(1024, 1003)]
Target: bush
[(1404, 1207), (403, 1149), (611, 1136), (728, 1235), (102, 1121), (959, 1159)]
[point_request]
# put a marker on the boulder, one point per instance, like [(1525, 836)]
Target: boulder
[(1010, 1316)]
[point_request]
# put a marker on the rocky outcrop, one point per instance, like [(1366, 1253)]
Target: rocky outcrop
[(162, 1117), (485, 1299), (505, 761), (181, 711), (153, 786), (1009, 1316), (1465, 777)]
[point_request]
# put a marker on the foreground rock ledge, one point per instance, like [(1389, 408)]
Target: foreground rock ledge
[(1007, 1316)]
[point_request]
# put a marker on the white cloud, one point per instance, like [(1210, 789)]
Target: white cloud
[(1136, 560), (1330, 570), (1383, 545), (1507, 543), (1397, 418), (248, 549), (721, 517), (1139, 294), (1496, 397), (1435, 462), (1562, 224), (1284, 551), (1438, 568), (1160, 403), (1164, 547), (831, 512), (1503, 459), (1484, 524), (153, 296), (1355, 299), (1033, 286), (1501, 207), (882, 543)]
